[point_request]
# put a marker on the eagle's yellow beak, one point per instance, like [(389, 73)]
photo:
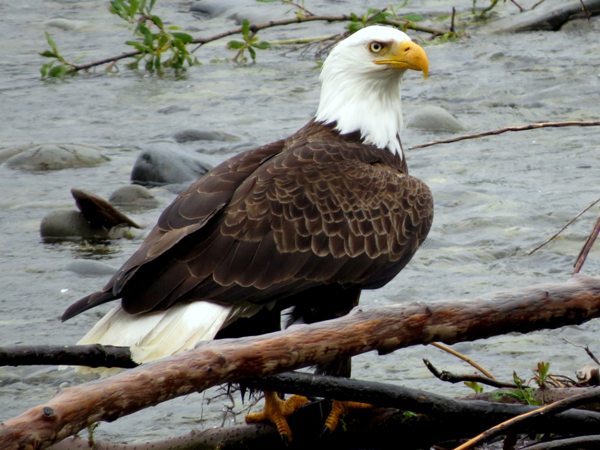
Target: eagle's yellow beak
[(406, 55)]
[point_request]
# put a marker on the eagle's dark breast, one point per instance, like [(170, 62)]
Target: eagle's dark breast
[(314, 212)]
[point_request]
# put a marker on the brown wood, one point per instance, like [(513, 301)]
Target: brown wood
[(363, 330)]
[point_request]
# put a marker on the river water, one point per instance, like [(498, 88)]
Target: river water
[(496, 198)]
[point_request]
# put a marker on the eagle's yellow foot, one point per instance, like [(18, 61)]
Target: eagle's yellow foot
[(276, 410), (338, 409)]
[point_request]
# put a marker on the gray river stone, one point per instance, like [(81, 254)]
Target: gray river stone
[(69, 224), (66, 224), (435, 119), (134, 197), (192, 135), (90, 268), (42, 157), (158, 167)]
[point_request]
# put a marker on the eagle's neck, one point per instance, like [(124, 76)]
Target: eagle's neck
[(368, 103)]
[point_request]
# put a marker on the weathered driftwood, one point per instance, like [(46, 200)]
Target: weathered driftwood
[(365, 329), (438, 418), (546, 19)]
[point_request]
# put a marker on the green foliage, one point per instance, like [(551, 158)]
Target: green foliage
[(371, 17), (160, 47), (250, 44), (58, 67), (477, 388), (541, 373), (523, 393)]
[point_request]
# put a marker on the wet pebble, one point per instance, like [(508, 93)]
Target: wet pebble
[(42, 157), (134, 197), (434, 118), (161, 167)]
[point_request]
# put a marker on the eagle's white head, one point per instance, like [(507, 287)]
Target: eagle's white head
[(360, 88)]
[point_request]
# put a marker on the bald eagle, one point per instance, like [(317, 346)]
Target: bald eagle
[(306, 222)]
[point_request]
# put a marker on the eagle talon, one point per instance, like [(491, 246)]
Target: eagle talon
[(338, 409), (276, 410)]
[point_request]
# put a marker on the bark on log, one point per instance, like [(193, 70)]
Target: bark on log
[(365, 329)]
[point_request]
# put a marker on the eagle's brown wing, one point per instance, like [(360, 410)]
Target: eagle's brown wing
[(325, 209)]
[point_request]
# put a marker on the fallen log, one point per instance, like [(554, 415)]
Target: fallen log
[(364, 329), (432, 419), (550, 19)]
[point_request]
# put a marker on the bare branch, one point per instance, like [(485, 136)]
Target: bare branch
[(531, 126)]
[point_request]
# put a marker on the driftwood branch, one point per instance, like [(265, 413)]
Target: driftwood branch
[(365, 329)]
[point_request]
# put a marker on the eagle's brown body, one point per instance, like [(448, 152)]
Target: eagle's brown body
[(306, 221)]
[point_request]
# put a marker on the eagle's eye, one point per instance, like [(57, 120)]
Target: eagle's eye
[(375, 47)]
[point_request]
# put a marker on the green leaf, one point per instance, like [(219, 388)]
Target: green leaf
[(51, 43), (246, 28), (413, 17), (139, 46), (58, 71), (252, 53), (262, 45), (235, 45), (478, 388), (157, 21), (183, 37), (48, 54)]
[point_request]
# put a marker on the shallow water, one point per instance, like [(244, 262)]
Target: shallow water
[(496, 198)]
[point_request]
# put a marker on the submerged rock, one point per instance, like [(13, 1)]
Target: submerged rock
[(87, 267), (42, 157), (133, 197), (160, 167), (434, 118), (203, 135)]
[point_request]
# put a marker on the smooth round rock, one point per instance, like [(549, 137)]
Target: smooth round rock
[(134, 197), (42, 157), (161, 167), (434, 118), (69, 224), (90, 268), (192, 135)]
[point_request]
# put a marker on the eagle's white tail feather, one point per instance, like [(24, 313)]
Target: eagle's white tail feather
[(158, 334)]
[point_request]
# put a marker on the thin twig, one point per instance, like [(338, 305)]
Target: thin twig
[(564, 227), (587, 247), (531, 126), (450, 377), (466, 359), (452, 20), (551, 409), (586, 348), (521, 9)]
